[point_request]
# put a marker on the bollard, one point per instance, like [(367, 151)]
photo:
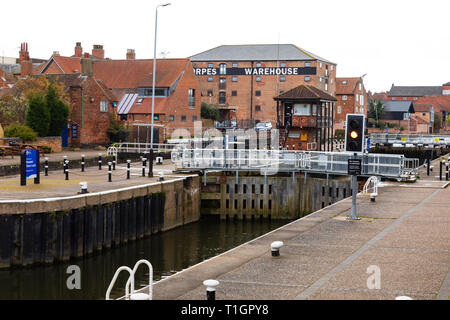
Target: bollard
[(161, 176), (64, 163), (83, 186), (109, 172), (159, 160), (82, 163), (211, 288), (144, 164), (275, 248), (66, 166), (446, 171), (46, 166), (440, 169), (128, 169), (373, 196), (99, 161), (114, 162)]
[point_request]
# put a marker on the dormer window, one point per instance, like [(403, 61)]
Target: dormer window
[(139, 101), (147, 92)]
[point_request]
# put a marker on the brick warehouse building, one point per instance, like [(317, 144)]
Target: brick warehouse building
[(242, 80), (351, 98)]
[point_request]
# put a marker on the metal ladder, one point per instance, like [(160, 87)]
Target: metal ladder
[(133, 295)]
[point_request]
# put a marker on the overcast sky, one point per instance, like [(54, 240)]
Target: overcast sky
[(392, 41)]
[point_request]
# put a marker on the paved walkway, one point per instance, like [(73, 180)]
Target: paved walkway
[(401, 246), (55, 185)]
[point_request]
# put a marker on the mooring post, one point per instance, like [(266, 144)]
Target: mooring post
[(109, 172), (46, 166), (144, 164), (64, 164), (446, 171), (128, 169), (99, 161), (114, 161), (67, 169), (82, 163), (440, 169), (210, 288)]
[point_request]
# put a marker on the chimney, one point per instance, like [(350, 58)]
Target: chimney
[(86, 65), (26, 66), (56, 53), (78, 50), (97, 51), (23, 53), (131, 55)]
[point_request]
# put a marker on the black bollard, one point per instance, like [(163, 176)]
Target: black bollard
[(82, 163), (46, 166), (67, 169), (150, 164), (109, 172), (128, 169), (446, 171), (144, 164), (440, 169), (64, 164), (114, 162), (99, 161)]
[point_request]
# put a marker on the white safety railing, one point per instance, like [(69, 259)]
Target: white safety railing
[(136, 147), (371, 186), (410, 140), (288, 161)]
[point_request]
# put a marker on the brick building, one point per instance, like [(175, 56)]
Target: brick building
[(351, 98), (242, 80), (177, 95), (305, 117)]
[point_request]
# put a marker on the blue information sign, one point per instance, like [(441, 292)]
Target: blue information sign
[(31, 164)]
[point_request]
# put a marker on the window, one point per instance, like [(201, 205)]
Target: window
[(339, 109), (171, 117), (320, 79), (257, 108), (210, 79), (210, 93), (302, 109), (320, 65), (356, 110), (183, 118), (344, 97), (326, 86), (103, 106), (361, 99), (210, 65), (332, 67), (139, 101), (194, 118), (282, 79), (191, 98), (360, 87), (234, 78), (283, 64), (222, 83), (258, 79), (357, 98), (258, 64), (156, 117), (406, 116), (234, 65), (307, 78), (307, 64), (344, 81), (415, 98), (159, 92), (257, 93), (423, 113), (314, 109), (234, 93), (222, 98), (223, 68)]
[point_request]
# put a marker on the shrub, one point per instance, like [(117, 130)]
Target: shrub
[(208, 111), (38, 115), (20, 131)]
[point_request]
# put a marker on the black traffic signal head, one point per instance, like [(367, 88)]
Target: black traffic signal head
[(354, 133)]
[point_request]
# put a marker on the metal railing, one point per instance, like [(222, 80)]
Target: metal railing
[(136, 147), (409, 139), (289, 161)]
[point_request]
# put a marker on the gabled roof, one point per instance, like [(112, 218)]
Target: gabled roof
[(305, 92), (127, 74), (422, 107), (256, 52), (415, 91), (346, 85), (65, 64), (398, 106)]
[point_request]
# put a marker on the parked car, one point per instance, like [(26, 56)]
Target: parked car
[(263, 126)]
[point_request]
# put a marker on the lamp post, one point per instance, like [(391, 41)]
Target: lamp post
[(150, 171)]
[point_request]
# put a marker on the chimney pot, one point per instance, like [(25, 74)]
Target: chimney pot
[(78, 50), (131, 54)]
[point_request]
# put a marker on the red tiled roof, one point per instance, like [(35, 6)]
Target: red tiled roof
[(305, 92), (422, 107), (146, 106), (439, 103), (348, 87), (123, 74)]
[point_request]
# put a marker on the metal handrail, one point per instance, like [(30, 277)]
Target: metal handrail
[(138, 147)]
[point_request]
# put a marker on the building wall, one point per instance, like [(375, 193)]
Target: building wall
[(245, 101), (350, 105), (93, 124)]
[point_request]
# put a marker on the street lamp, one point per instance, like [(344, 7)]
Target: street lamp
[(150, 171)]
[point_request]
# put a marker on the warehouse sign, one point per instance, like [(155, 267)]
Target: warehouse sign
[(268, 71)]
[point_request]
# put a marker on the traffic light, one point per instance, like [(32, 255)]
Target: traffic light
[(354, 133)]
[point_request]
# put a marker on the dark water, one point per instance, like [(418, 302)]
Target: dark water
[(168, 252)]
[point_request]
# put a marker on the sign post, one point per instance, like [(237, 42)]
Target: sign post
[(354, 169), (29, 166)]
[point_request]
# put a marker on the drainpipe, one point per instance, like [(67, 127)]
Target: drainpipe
[(82, 104)]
